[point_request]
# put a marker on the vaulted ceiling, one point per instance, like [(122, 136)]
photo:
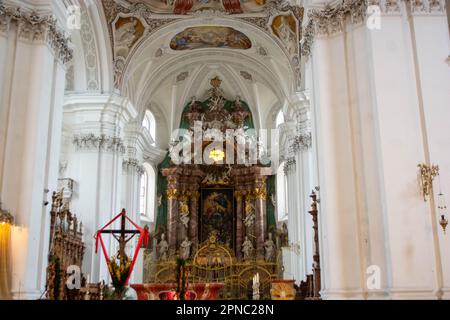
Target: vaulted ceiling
[(160, 59)]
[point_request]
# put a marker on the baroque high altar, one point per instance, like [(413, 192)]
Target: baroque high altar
[(215, 214)]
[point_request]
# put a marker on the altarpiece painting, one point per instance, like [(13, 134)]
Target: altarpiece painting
[(217, 215)]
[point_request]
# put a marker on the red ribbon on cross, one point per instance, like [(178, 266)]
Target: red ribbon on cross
[(143, 239)]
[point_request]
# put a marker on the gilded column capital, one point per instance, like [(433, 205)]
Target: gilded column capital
[(260, 193), (172, 194)]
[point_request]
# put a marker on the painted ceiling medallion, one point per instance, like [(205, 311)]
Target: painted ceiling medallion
[(188, 6), (210, 37)]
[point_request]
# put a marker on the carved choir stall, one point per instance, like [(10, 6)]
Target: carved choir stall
[(66, 248), (213, 209)]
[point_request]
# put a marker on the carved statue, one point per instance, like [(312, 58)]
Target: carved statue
[(159, 200), (217, 103), (273, 199), (184, 210), (238, 104), (247, 248), (185, 220), (270, 249), (287, 35), (185, 249), (125, 35), (163, 248), (249, 220)]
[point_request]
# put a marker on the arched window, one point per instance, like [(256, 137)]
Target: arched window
[(282, 197), (143, 194), (280, 119), (149, 124), (147, 205)]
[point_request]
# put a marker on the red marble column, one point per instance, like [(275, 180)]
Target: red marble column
[(239, 225), (193, 221), (260, 194)]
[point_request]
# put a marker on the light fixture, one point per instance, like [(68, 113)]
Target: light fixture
[(217, 155), (442, 208), (427, 174), (5, 216)]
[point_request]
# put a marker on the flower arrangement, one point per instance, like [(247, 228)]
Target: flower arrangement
[(119, 268)]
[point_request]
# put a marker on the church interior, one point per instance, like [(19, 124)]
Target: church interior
[(224, 149)]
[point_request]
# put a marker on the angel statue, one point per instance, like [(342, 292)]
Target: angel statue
[(247, 248), (159, 200), (273, 199), (185, 220), (163, 247), (185, 250)]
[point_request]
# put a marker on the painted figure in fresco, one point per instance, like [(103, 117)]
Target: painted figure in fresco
[(232, 6), (182, 6), (269, 247), (185, 249), (247, 248), (163, 247), (210, 37), (125, 34)]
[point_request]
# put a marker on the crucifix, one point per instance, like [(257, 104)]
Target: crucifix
[(123, 236)]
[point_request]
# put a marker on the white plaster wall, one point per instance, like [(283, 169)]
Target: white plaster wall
[(432, 45)]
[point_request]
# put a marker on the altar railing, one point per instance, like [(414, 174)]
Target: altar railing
[(215, 263)]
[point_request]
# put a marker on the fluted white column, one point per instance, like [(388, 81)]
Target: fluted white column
[(95, 163), (33, 53)]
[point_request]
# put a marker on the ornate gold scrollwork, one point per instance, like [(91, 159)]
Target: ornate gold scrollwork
[(260, 193), (172, 194), (427, 174)]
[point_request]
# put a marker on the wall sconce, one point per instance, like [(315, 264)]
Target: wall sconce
[(427, 174), (6, 220), (442, 210), (5, 216)]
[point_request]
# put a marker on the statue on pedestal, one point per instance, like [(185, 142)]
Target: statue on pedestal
[(163, 248), (250, 217), (185, 249), (247, 248), (270, 249), (184, 216)]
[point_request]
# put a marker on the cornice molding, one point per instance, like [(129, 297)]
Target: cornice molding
[(133, 165), (32, 26), (100, 142), (333, 18)]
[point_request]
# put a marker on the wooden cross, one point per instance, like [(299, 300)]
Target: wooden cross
[(121, 235)]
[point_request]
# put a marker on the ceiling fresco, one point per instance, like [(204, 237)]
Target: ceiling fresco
[(189, 6)]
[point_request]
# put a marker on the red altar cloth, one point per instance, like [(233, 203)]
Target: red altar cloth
[(195, 291)]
